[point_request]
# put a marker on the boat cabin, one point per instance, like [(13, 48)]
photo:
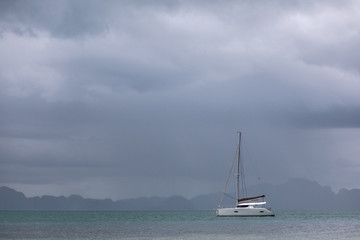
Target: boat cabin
[(250, 204)]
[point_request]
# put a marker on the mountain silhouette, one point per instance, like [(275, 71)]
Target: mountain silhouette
[(296, 194)]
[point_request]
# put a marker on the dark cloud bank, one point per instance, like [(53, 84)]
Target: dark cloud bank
[(125, 99)]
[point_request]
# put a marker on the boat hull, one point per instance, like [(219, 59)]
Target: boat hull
[(244, 212)]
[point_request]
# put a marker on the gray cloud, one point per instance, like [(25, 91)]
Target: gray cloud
[(132, 95), (333, 117), (60, 19)]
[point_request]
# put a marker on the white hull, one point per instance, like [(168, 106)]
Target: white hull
[(243, 212)]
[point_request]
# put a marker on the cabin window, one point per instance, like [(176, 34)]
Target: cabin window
[(243, 206), (235, 211)]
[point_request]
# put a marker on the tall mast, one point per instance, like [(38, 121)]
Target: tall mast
[(238, 172)]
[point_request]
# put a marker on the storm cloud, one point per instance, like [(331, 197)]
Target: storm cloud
[(139, 98)]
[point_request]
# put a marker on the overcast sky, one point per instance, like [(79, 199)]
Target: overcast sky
[(124, 99)]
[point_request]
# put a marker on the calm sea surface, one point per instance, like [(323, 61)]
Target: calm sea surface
[(177, 225)]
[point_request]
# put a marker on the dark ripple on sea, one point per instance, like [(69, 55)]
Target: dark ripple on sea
[(177, 225)]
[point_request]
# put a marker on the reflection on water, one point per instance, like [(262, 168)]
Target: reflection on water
[(177, 225)]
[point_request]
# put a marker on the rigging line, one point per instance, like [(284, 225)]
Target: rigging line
[(227, 181), (243, 182), (243, 175), (229, 196)]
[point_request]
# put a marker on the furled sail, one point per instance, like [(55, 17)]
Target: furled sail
[(250, 198)]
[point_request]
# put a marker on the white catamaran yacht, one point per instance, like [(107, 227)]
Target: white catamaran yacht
[(245, 206)]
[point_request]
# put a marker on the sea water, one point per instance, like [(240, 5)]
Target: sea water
[(177, 225)]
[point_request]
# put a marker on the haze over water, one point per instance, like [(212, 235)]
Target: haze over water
[(177, 225)]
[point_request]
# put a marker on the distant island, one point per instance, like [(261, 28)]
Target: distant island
[(296, 194)]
